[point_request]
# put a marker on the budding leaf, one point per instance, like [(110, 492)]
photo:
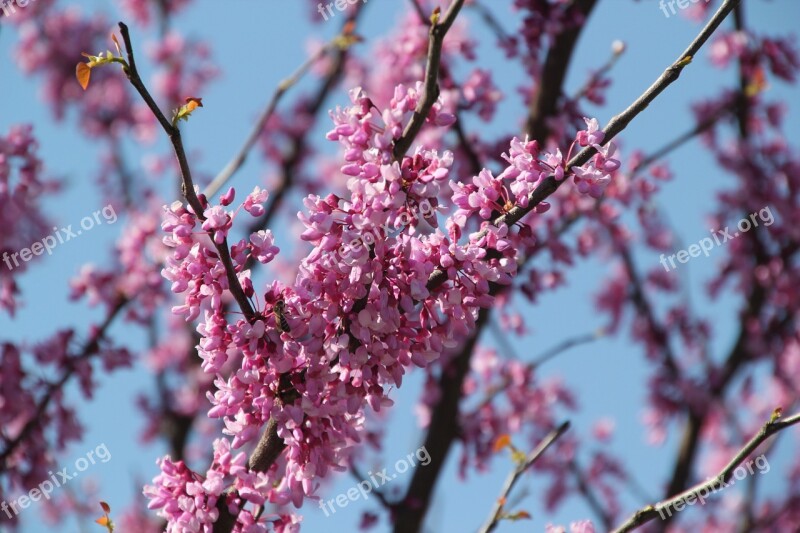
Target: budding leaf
[(519, 515), (756, 84), (518, 456), (501, 442), (186, 109), (83, 73), (435, 15), (105, 520), (116, 44)]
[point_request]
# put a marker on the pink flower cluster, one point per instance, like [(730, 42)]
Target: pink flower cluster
[(142, 10), (22, 188), (37, 420), (355, 326)]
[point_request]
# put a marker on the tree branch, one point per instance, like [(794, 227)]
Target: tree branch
[(617, 124), (431, 87), (544, 103), (187, 185), (91, 348), (283, 87), (497, 512), (650, 512)]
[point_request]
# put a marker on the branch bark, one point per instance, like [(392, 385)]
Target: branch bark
[(650, 512), (91, 348), (497, 512), (187, 184), (438, 31)]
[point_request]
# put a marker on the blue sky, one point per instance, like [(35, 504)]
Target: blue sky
[(607, 374)]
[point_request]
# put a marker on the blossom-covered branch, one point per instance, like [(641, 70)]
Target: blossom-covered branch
[(197, 204)]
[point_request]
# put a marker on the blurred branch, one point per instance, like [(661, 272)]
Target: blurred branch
[(125, 179), (497, 512), (421, 12), (358, 476), (491, 21), (91, 348), (295, 154), (543, 358), (283, 87), (672, 145), (645, 308), (650, 512), (589, 495), (544, 102)]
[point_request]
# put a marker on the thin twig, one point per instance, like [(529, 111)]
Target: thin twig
[(187, 185), (421, 12), (283, 87), (431, 87), (617, 124), (650, 512), (491, 21), (535, 363), (91, 348), (589, 495), (672, 145), (497, 512), (354, 472)]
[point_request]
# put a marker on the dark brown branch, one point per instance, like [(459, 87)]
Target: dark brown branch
[(358, 476), (645, 309), (617, 124), (187, 185), (420, 12), (652, 511), (444, 428), (589, 495), (431, 87), (488, 17), (91, 348), (544, 103), (497, 512)]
